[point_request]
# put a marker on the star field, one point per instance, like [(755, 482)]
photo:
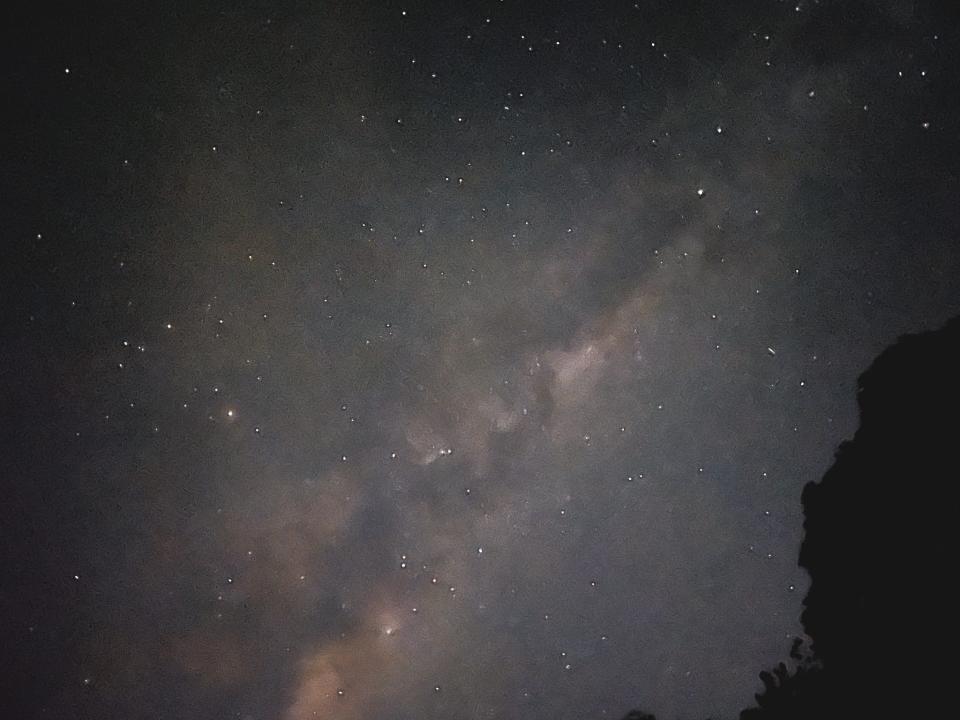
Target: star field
[(459, 360)]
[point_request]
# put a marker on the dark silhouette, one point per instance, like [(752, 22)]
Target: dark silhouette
[(878, 546)]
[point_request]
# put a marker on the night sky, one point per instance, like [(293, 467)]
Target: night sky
[(457, 360)]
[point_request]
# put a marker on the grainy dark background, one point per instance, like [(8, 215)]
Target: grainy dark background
[(458, 360)]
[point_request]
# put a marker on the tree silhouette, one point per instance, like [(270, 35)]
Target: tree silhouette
[(877, 544), (879, 548)]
